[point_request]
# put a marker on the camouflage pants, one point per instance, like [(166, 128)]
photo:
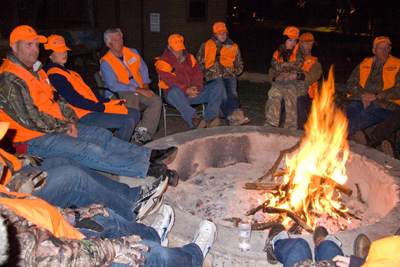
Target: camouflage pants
[(289, 92)]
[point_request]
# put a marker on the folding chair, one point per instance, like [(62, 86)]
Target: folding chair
[(165, 105), (100, 86)]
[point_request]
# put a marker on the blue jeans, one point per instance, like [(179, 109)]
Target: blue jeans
[(230, 99), (210, 94), (95, 148), (293, 250), (360, 118), (115, 227), (125, 124), (68, 182), (302, 110)]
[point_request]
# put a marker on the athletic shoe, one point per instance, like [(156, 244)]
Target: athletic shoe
[(205, 236), (150, 198), (164, 222), (269, 247), (141, 136), (165, 156), (158, 170)]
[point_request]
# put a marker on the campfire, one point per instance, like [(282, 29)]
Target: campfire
[(315, 173)]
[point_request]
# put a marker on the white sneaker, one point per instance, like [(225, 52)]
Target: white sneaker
[(164, 222), (141, 136), (205, 236), (150, 198)]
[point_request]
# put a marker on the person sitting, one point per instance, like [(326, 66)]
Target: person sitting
[(373, 87), (182, 83), (43, 125), (125, 72), (312, 71), (92, 109), (220, 58), (287, 79)]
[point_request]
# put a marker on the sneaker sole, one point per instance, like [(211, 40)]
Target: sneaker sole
[(153, 203), (174, 182), (168, 159)]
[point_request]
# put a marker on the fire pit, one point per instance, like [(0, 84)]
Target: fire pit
[(199, 151)]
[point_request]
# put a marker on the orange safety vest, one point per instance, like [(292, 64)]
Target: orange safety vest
[(14, 161), (42, 94), (166, 67), (79, 85), (132, 62), (389, 72), (312, 89), (227, 54), (292, 57), (40, 213)]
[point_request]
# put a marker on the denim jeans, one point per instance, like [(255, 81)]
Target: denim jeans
[(115, 227), (302, 110), (95, 148), (293, 250), (68, 182), (125, 124), (230, 99), (210, 94), (360, 118)]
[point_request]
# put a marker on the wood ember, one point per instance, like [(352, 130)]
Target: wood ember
[(359, 196), (265, 226), (235, 221), (261, 186), (291, 215)]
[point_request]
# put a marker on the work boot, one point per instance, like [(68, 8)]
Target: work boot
[(319, 235), (237, 118), (362, 138), (158, 170), (361, 246), (269, 247), (389, 148), (212, 122), (165, 156), (198, 122)]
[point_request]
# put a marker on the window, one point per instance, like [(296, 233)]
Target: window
[(197, 10)]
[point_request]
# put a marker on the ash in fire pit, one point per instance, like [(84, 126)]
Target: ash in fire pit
[(218, 193)]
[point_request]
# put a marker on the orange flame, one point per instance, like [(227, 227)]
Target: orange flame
[(323, 153)]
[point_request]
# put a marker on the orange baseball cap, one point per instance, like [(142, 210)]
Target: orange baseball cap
[(292, 32), (25, 33), (219, 27), (381, 39), (56, 43), (308, 37), (176, 41)]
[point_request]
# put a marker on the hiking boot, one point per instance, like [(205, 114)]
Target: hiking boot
[(163, 223), (361, 246), (205, 236), (319, 235), (150, 198), (158, 170), (269, 243), (362, 138), (165, 156), (141, 136), (198, 122), (212, 122), (389, 148)]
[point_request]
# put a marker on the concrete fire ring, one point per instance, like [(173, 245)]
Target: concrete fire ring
[(377, 174)]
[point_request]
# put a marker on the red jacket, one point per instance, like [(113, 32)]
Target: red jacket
[(183, 75)]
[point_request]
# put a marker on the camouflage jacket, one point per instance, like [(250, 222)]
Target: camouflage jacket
[(310, 263), (17, 103), (31, 245), (374, 84), (217, 70)]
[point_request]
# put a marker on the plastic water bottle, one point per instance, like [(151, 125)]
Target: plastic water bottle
[(244, 234)]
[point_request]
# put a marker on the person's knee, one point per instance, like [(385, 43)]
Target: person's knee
[(174, 92)]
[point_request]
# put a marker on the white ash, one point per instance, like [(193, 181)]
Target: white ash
[(218, 193)]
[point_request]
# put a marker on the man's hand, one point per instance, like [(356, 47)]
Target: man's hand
[(192, 92), (342, 261), (73, 129), (367, 98), (127, 250), (146, 92), (32, 160), (27, 182), (82, 217), (291, 76)]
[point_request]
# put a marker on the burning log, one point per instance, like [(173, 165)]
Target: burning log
[(264, 226), (278, 161), (261, 186), (342, 188), (294, 228), (291, 215), (258, 208), (359, 196)]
